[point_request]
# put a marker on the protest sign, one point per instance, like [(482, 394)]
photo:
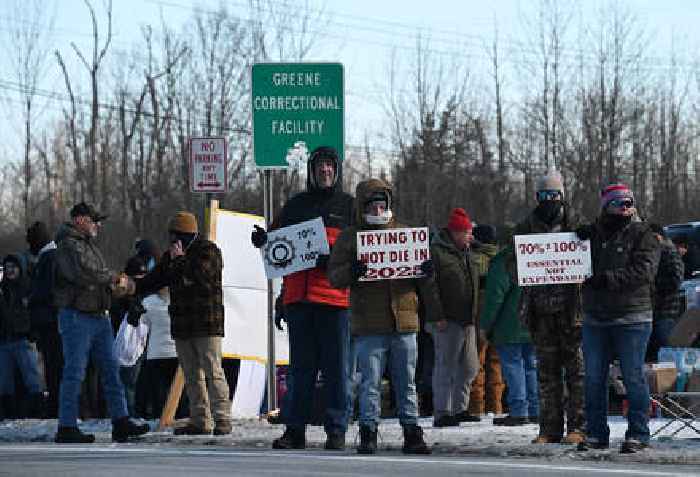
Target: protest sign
[(294, 248), (548, 259), (393, 253)]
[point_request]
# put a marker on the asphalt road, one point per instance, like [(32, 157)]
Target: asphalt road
[(147, 460)]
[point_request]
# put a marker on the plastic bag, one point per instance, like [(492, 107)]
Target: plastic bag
[(130, 343)]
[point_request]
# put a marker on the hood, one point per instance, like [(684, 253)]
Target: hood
[(18, 259), (324, 152), (364, 191)]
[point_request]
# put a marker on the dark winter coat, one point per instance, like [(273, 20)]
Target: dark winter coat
[(383, 306), (196, 293), (82, 277), (628, 259), (14, 313), (41, 299), (667, 295), (456, 280)]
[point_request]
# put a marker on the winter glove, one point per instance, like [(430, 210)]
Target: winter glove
[(427, 268), (584, 232), (133, 314), (279, 313), (258, 237), (358, 270), (322, 261), (597, 282)]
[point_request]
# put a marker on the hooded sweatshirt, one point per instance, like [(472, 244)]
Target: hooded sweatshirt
[(14, 316)]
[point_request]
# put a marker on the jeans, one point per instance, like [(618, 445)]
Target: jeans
[(519, 369), (372, 353), (86, 336), (129, 375), (22, 355), (660, 333), (600, 346), (318, 340), (353, 377)]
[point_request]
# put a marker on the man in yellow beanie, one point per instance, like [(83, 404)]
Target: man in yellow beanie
[(191, 268)]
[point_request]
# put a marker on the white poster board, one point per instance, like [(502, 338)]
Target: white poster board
[(294, 248), (245, 291), (552, 259), (393, 253)]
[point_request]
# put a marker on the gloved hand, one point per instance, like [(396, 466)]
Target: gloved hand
[(133, 314), (428, 268), (279, 313), (597, 282), (258, 237), (359, 269), (322, 261), (584, 232)]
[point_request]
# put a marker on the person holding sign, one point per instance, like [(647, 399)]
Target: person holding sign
[(617, 306), (316, 313), (553, 314), (384, 320), (453, 331)]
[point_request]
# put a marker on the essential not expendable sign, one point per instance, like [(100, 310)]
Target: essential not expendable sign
[(552, 259), (393, 253), (294, 248), (296, 103)]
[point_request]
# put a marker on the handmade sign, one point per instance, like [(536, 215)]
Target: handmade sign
[(294, 248), (549, 259), (393, 253)]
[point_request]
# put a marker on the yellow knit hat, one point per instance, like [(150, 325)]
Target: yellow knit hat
[(183, 222)]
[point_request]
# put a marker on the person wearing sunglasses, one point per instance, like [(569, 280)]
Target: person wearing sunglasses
[(554, 319), (617, 306)]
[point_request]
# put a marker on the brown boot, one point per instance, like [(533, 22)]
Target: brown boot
[(546, 440), (574, 437)]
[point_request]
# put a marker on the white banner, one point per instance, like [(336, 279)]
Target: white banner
[(294, 248), (552, 259), (393, 253)]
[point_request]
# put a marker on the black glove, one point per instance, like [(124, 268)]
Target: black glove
[(322, 261), (359, 269), (584, 232), (133, 314), (428, 268), (597, 282), (279, 313), (258, 237)]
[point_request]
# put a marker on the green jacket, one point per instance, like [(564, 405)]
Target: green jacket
[(499, 315), (481, 256), (456, 282)]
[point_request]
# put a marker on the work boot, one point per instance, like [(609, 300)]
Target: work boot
[(445, 421), (533, 419), (510, 421), (191, 430), (574, 437), (464, 416), (368, 441), (72, 435), (222, 428), (541, 439), (291, 439), (335, 441), (591, 443), (124, 428), (631, 446), (413, 442)]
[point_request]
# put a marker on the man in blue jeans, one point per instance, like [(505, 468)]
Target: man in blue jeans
[(82, 294), (617, 305)]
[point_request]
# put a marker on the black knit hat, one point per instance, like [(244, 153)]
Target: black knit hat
[(38, 235), (485, 233)]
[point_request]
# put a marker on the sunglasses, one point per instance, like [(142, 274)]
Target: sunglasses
[(620, 203), (545, 195)]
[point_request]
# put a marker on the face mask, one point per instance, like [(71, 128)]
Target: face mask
[(151, 264), (617, 221), (383, 219), (549, 211)]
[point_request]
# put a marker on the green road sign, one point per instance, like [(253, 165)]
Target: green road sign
[(296, 105)]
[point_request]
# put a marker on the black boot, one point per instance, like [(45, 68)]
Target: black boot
[(335, 441), (292, 438), (72, 435), (124, 428), (368, 441), (413, 442)]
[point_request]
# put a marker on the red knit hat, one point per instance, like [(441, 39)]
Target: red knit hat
[(459, 220)]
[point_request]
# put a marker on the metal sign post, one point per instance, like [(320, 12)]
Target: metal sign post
[(271, 365)]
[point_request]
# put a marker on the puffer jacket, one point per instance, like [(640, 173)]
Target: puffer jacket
[(540, 301), (629, 259), (14, 313), (456, 281), (196, 293), (82, 279), (668, 298), (383, 306)]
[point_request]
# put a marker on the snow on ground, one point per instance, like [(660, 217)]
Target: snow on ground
[(482, 439)]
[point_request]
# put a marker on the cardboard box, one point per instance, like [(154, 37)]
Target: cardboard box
[(661, 377)]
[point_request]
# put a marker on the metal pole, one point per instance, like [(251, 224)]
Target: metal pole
[(271, 367)]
